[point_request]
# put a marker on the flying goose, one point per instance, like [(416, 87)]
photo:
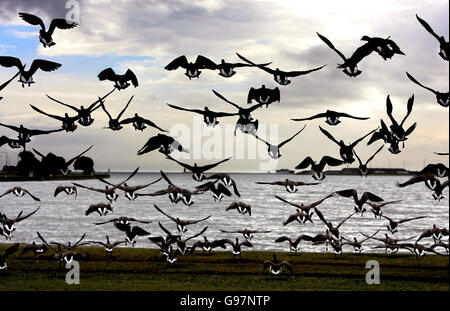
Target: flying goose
[(397, 129), (37, 249), (181, 243), (192, 69), (181, 224), (363, 170), (247, 233), (346, 151), (131, 232), (19, 192), (108, 246), (227, 69), (241, 207), (390, 244), (208, 246), (25, 134), (419, 250), (331, 117), (69, 190), (12, 143), (439, 243), (357, 245), (68, 123), (430, 181), (123, 221), (334, 230), (442, 99), (84, 114), (109, 192), (385, 134), (197, 171), (444, 46), (300, 216), (306, 208), (164, 243), (26, 76), (350, 65), (276, 267), (274, 150), (45, 35), (140, 123), (376, 207), (8, 223), (281, 77), (130, 191), (393, 224), (163, 143), (225, 178), (219, 190), (263, 95), (436, 233), (294, 244), (120, 81), (438, 170), (236, 246), (101, 208), (385, 47), (246, 124), (317, 168), (8, 252), (209, 116), (290, 185), (359, 203), (66, 252), (114, 123)]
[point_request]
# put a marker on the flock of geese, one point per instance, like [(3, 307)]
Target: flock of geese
[(174, 244)]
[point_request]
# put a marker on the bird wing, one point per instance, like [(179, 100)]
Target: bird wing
[(409, 107), (196, 235), (319, 115), (99, 100), (202, 112), (349, 193), (331, 46), (76, 157), (305, 163), (47, 114), (90, 188), (150, 123), (9, 81), (138, 187), (11, 250), (428, 28), (59, 102), (162, 212), (205, 63), (291, 138), (125, 108), (420, 84), (290, 203), (191, 222), (373, 156), (225, 100), (360, 139), (107, 74), (177, 62), (342, 222), (61, 24), (409, 219), (359, 160), (42, 132), (319, 214), (361, 52), (346, 115), (389, 110), (139, 231), (210, 166), (130, 76), (417, 178), (327, 134), (20, 218), (34, 197), (32, 19), (44, 65), (301, 73), (369, 196), (9, 61), (107, 113), (369, 237)]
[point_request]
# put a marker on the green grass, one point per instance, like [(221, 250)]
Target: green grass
[(144, 269)]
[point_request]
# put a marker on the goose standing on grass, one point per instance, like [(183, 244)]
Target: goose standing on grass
[(85, 118), (306, 208), (393, 224), (346, 151), (442, 99), (274, 150), (241, 207), (334, 230), (317, 168), (8, 252), (181, 224), (192, 69), (350, 65), (363, 170), (276, 267), (19, 192), (359, 202), (263, 95), (281, 77), (331, 117), (101, 208), (108, 246), (444, 46), (69, 190), (247, 233), (26, 76), (290, 185), (197, 171), (45, 36), (163, 143), (294, 245), (114, 123), (376, 207), (120, 81)]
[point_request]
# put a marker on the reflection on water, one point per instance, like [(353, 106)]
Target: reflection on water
[(63, 219)]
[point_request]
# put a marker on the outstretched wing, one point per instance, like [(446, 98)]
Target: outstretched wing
[(61, 24), (420, 84), (125, 108), (305, 163), (319, 115), (416, 179), (205, 63), (327, 134), (107, 74), (428, 28), (177, 62), (32, 19), (291, 138), (9, 81), (20, 218), (331, 46), (44, 65), (76, 157), (301, 73), (409, 107), (319, 214), (290, 203), (346, 115), (353, 145), (211, 166), (202, 112), (271, 71), (225, 100), (9, 61), (162, 212), (373, 156), (47, 114), (130, 76)]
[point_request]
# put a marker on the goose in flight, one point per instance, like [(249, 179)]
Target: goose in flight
[(294, 245), (397, 130), (376, 207), (306, 208), (209, 116), (317, 168), (19, 192), (281, 77), (274, 150), (8, 224), (26, 76), (197, 170), (227, 69), (120, 81), (114, 123), (334, 230), (69, 190), (393, 224), (359, 202), (331, 117), (247, 233), (45, 36), (442, 99), (139, 123), (181, 224), (444, 46), (357, 245), (263, 95), (108, 246), (224, 178), (363, 170), (290, 185), (25, 134), (192, 69), (163, 143)]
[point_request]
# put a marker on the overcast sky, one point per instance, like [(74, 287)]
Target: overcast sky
[(146, 35)]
